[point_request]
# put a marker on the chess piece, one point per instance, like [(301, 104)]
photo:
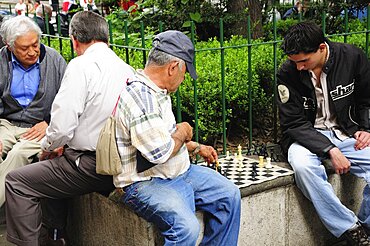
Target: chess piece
[(261, 163), (255, 151), (240, 152), (268, 163), (235, 157), (249, 152), (241, 166), (254, 166), (254, 174), (227, 155)]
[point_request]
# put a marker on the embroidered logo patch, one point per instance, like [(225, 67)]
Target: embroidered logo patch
[(283, 93), (342, 91)]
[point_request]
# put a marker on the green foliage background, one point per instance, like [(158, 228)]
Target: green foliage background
[(208, 63)]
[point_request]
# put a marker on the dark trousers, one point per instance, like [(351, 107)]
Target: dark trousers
[(52, 182)]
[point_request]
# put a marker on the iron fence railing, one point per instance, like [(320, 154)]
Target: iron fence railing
[(65, 43)]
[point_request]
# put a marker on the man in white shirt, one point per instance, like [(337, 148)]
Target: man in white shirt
[(89, 91)]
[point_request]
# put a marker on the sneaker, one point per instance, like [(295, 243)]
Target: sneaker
[(357, 236), (46, 239)]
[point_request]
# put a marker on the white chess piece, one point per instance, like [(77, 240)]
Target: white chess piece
[(227, 155), (240, 152), (268, 163)]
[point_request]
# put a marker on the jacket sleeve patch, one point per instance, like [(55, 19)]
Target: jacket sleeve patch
[(283, 93)]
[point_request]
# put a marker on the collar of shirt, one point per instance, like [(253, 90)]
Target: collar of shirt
[(15, 62), (96, 46), (144, 78)]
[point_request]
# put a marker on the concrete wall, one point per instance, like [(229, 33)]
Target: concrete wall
[(277, 215)]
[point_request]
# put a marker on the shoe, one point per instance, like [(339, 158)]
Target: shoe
[(357, 236), (51, 242), (46, 239)]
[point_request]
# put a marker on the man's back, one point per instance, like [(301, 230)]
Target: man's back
[(96, 78)]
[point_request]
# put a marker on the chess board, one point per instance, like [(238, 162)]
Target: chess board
[(241, 172)]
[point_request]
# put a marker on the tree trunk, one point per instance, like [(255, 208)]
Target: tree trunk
[(240, 10), (255, 12), (238, 25)]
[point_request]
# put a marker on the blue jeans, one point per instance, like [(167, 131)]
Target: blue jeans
[(311, 179), (171, 203)]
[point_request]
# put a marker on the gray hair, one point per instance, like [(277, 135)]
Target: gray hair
[(87, 26), (44, 8), (161, 58), (18, 26)]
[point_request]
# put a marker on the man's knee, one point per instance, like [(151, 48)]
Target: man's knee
[(188, 229)]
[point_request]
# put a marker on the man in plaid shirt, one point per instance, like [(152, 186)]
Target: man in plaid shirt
[(157, 180)]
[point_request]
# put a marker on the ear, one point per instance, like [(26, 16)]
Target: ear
[(75, 43), (172, 67), (322, 47)]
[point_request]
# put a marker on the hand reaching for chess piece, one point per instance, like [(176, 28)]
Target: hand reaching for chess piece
[(208, 153)]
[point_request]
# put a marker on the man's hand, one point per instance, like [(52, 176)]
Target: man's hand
[(185, 130), (208, 153), (37, 132), (340, 163), (51, 154), (362, 139)]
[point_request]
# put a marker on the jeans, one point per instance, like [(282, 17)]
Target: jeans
[(171, 203), (311, 179)]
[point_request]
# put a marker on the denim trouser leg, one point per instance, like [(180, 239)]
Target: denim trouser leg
[(171, 205), (311, 178)]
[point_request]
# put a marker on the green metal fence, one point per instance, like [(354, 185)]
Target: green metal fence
[(64, 44)]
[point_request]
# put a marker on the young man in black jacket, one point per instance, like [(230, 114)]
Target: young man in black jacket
[(324, 102)]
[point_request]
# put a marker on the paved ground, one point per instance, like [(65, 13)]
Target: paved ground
[(3, 241)]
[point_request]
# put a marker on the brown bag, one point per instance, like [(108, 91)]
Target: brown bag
[(108, 160)]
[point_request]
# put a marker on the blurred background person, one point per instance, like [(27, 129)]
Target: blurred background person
[(42, 11)]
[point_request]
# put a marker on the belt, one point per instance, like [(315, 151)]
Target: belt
[(21, 124)]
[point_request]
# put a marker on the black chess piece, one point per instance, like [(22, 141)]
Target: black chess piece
[(255, 149), (254, 174), (249, 152), (263, 150), (254, 166)]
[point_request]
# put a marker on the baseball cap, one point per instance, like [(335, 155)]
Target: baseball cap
[(179, 45)]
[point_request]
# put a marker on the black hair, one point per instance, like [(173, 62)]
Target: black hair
[(303, 37)]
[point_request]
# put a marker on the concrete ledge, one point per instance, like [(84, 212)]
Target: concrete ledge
[(273, 213)]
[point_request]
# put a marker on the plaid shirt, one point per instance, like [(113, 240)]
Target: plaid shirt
[(145, 122)]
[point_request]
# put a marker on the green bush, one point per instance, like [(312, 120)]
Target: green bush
[(209, 87)]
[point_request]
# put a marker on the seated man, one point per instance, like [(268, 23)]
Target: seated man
[(324, 91), (30, 77), (157, 180), (88, 93), (41, 11)]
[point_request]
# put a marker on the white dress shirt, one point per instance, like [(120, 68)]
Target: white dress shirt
[(88, 93)]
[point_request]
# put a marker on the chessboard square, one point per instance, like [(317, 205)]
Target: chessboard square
[(239, 178), (267, 175), (281, 171)]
